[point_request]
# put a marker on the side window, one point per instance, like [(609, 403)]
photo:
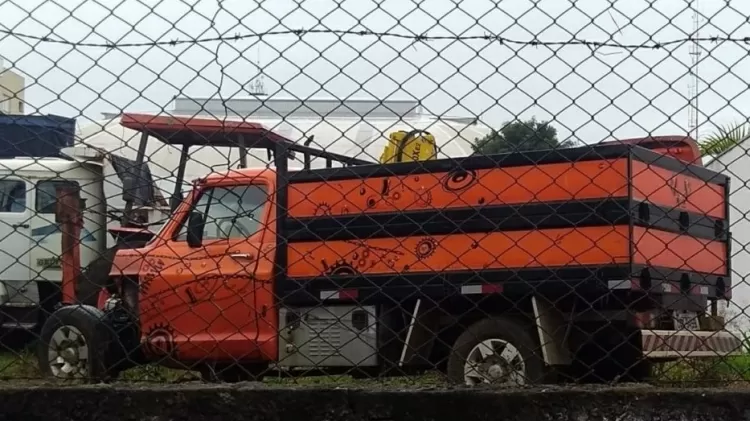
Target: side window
[(46, 195), (230, 212), (12, 196)]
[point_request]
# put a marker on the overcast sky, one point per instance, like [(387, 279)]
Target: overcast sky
[(591, 95)]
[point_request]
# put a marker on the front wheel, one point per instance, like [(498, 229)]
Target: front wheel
[(497, 351), (73, 344)]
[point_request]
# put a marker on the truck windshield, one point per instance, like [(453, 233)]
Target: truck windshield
[(230, 211)]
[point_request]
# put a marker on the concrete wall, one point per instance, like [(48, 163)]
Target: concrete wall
[(197, 403)]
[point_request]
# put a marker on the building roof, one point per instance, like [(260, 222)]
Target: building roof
[(315, 107), (57, 166)]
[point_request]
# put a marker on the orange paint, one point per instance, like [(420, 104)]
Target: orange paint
[(588, 246), (215, 306), (674, 190), (500, 250), (683, 252), (497, 186)]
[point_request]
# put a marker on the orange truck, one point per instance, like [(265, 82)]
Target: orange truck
[(587, 263)]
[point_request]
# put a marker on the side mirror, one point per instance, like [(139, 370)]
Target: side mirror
[(196, 224), (129, 188)]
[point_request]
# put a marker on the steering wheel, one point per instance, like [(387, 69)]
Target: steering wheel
[(233, 223)]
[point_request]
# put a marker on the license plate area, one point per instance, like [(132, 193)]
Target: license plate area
[(685, 320)]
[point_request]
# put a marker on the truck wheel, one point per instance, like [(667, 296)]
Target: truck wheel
[(73, 344), (496, 351)]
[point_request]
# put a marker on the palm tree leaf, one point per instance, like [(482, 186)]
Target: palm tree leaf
[(724, 138)]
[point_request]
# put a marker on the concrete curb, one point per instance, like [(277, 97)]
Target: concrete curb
[(200, 402)]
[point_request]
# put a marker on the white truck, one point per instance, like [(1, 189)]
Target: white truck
[(30, 237)]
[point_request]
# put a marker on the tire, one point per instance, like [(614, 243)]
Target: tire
[(495, 369), (65, 333)]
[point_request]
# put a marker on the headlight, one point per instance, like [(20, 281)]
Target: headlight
[(111, 303)]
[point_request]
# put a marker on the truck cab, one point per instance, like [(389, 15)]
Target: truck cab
[(30, 236)]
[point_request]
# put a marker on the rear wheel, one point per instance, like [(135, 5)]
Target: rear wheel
[(74, 344), (498, 351)]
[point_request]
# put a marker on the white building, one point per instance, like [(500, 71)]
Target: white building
[(12, 91), (357, 127), (735, 163)]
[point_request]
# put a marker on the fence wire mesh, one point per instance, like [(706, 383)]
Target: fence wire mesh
[(350, 192)]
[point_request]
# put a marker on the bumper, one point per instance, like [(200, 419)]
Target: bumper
[(667, 344)]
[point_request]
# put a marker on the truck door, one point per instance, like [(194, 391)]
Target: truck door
[(222, 290), (47, 236), (16, 243)]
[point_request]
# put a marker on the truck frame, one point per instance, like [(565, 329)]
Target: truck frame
[(588, 262)]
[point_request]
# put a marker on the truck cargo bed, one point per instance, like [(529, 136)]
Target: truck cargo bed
[(595, 216)]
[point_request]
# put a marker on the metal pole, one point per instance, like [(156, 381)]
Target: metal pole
[(243, 152), (307, 154), (282, 183), (126, 217), (176, 198)]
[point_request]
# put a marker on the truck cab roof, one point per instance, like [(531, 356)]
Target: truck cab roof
[(61, 167), (240, 175)]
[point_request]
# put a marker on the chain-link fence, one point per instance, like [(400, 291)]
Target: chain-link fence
[(513, 192)]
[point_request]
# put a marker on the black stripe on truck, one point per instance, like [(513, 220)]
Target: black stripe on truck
[(516, 282), (548, 215)]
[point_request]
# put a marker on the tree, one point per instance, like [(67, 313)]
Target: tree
[(529, 135), (724, 138)]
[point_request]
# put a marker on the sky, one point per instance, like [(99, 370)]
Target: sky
[(590, 94)]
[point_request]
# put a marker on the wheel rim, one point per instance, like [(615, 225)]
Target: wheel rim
[(68, 353), (495, 361)]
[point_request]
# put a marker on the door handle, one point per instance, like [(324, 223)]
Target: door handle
[(20, 225), (244, 256)]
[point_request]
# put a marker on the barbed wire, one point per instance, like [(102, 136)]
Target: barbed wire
[(434, 265), (649, 45)]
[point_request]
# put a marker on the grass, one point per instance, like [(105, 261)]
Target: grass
[(20, 363), (729, 371)]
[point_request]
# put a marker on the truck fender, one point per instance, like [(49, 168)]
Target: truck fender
[(551, 328)]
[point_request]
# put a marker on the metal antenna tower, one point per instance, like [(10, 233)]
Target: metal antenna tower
[(257, 85), (694, 82)]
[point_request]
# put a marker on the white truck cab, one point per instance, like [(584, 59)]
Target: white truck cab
[(30, 238)]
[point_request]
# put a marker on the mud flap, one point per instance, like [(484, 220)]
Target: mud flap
[(551, 328)]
